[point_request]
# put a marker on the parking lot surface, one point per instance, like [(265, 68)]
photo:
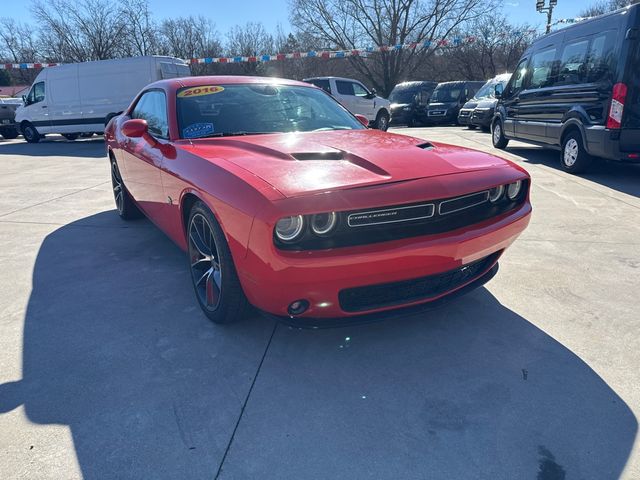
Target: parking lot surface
[(108, 369)]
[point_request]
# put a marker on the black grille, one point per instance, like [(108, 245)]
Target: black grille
[(393, 222), (360, 299)]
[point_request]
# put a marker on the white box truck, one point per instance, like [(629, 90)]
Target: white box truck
[(78, 98)]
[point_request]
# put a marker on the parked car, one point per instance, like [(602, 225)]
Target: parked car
[(8, 127), (80, 98), (356, 98), (282, 199), (447, 99), (578, 90), (409, 102), (485, 104)]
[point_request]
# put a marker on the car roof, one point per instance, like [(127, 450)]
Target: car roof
[(224, 80), (415, 83), (335, 78)]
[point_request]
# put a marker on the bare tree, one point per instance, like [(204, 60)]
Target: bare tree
[(82, 30), (604, 6), (249, 40), (349, 24), (141, 32), (18, 44)]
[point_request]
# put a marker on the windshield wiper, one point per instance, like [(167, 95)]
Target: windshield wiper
[(234, 134)]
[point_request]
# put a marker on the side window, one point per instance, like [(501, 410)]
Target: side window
[(36, 94), (359, 90), (344, 88), (541, 69), (152, 107), (323, 84), (600, 59), (573, 66), (515, 83)]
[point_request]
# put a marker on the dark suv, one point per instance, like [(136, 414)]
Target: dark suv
[(409, 102), (577, 90), (447, 99)]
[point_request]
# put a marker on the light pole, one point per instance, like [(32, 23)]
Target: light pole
[(542, 9)]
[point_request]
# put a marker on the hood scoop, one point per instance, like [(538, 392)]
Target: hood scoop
[(331, 155), (426, 146)]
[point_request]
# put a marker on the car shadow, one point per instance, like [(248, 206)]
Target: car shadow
[(623, 177), (56, 146), (471, 390), (116, 349)]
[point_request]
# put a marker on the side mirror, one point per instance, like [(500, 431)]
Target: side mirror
[(362, 119), (498, 90), (24, 99), (135, 128)]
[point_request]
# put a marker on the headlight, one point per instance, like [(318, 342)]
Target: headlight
[(289, 229), (323, 223), (513, 190), (406, 109), (496, 193)]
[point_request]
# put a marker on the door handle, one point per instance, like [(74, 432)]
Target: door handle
[(44, 106)]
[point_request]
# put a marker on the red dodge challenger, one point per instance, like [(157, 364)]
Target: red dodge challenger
[(284, 200)]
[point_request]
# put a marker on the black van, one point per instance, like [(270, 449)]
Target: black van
[(409, 102), (577, 90), (447, 99)]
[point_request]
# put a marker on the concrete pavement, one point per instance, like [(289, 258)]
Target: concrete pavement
[(109, 370)]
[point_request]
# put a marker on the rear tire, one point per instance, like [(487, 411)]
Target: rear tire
[(125, 206), (382, 121), (9, 133), (213, 273), (30, 133), (471, 127), (497, 135), (70, 136), (573, 157)]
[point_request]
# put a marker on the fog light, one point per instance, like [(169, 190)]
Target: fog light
[(298, 307)]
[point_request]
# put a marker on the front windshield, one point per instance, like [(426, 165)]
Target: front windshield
[(446, 94), (402, 95), (486, 91), (241, 109)]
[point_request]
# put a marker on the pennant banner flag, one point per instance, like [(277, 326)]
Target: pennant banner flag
[(356, 52)]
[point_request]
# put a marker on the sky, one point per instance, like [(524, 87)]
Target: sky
[(274, 12)]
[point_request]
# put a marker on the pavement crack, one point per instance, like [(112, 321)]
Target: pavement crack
[(246, 400)]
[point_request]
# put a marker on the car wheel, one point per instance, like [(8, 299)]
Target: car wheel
[(382, 121), (471, 127), (125, 206), (574, 158), (30, 133), (497, 135), (70, 136), (213, 273), (9, 133)]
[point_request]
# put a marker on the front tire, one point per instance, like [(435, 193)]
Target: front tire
[(382, 121), (125, 206), (30, 133), (70, 136), (471, 127), (574, 158), (497, 135), (213, 273)]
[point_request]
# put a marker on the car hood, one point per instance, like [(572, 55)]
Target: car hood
[(490, 103), (306, 163), (470, 105)]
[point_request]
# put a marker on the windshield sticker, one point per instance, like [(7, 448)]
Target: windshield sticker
[(199, 91), (196, 130)]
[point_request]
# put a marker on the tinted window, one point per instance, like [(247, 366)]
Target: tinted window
[(257, 108), (515, 83), (573, 63), (600, 58), (344, 88), (323, 84), (486, 91), (542, 69), (152, 107), (446, 93), (403, 95)]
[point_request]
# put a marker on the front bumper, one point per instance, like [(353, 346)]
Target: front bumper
[(482, 118), (464, 117), (400, 116), (272, 279)]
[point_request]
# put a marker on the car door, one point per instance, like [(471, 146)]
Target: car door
[(365, 102), (536, 99), (37, 108), (511, 97), (346, 96), (143, 156)]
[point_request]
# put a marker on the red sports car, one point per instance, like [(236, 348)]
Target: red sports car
[(284, 200)]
